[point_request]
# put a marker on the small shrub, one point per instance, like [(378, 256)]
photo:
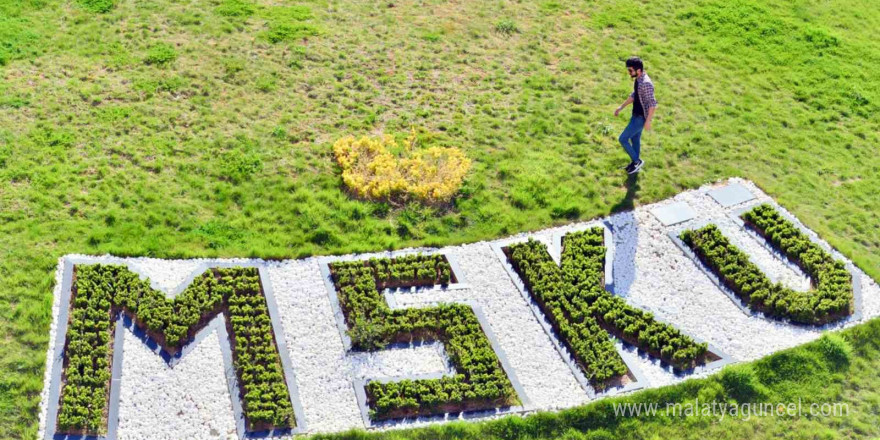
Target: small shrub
[(370, 337), (279, 132), (820, 39), (265, 84), (291, 13), (380, 210), (45, 136), (98, 6), (5, 154), (279, 32), (219, 234), (232, 65), (298, 56), (323, 237), (370, 170), (551, 6), (286, 24), (235, 8), (856, 96), (240, 165), (152, 85), (161, 54), (506, 27), (240, 160), (431, 37), (173, 84), (835, 349), (569, 211)]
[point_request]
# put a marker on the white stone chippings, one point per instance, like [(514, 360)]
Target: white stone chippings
[(323, 373), (650, 272), (427, 358), (164, 275), (50, 352), (190, 400), (870, 297)]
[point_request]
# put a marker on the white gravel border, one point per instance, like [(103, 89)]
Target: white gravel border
[(191, 399)]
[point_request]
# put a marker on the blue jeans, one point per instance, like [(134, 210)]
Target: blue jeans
[(631, 138)]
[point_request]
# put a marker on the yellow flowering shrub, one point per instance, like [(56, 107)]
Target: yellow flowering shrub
[(371, 170)]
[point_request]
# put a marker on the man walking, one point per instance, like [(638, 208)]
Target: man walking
[(642, 99)]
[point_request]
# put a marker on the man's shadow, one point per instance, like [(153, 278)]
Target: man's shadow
[(632, 187), (625, 232)]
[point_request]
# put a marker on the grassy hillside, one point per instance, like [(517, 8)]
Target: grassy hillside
[(203, 127)]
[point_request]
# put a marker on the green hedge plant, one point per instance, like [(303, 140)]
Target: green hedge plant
[(479, 381), (830, 297), (573, 297), (101, 292)]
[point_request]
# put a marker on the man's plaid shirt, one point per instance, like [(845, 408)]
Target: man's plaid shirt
[(646, 92)]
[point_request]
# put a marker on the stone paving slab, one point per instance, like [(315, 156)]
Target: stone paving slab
[(673, 214), (731, 195)]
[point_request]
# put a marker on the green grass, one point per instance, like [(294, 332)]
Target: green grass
[(223, 148)]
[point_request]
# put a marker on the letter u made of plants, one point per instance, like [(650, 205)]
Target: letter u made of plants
[(573, 297), (479, 381), (830, 297), (101, 292)]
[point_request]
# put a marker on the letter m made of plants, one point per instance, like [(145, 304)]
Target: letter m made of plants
[(102, 293)]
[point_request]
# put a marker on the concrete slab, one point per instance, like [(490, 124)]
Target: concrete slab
[(674, 213), (732, 194)]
